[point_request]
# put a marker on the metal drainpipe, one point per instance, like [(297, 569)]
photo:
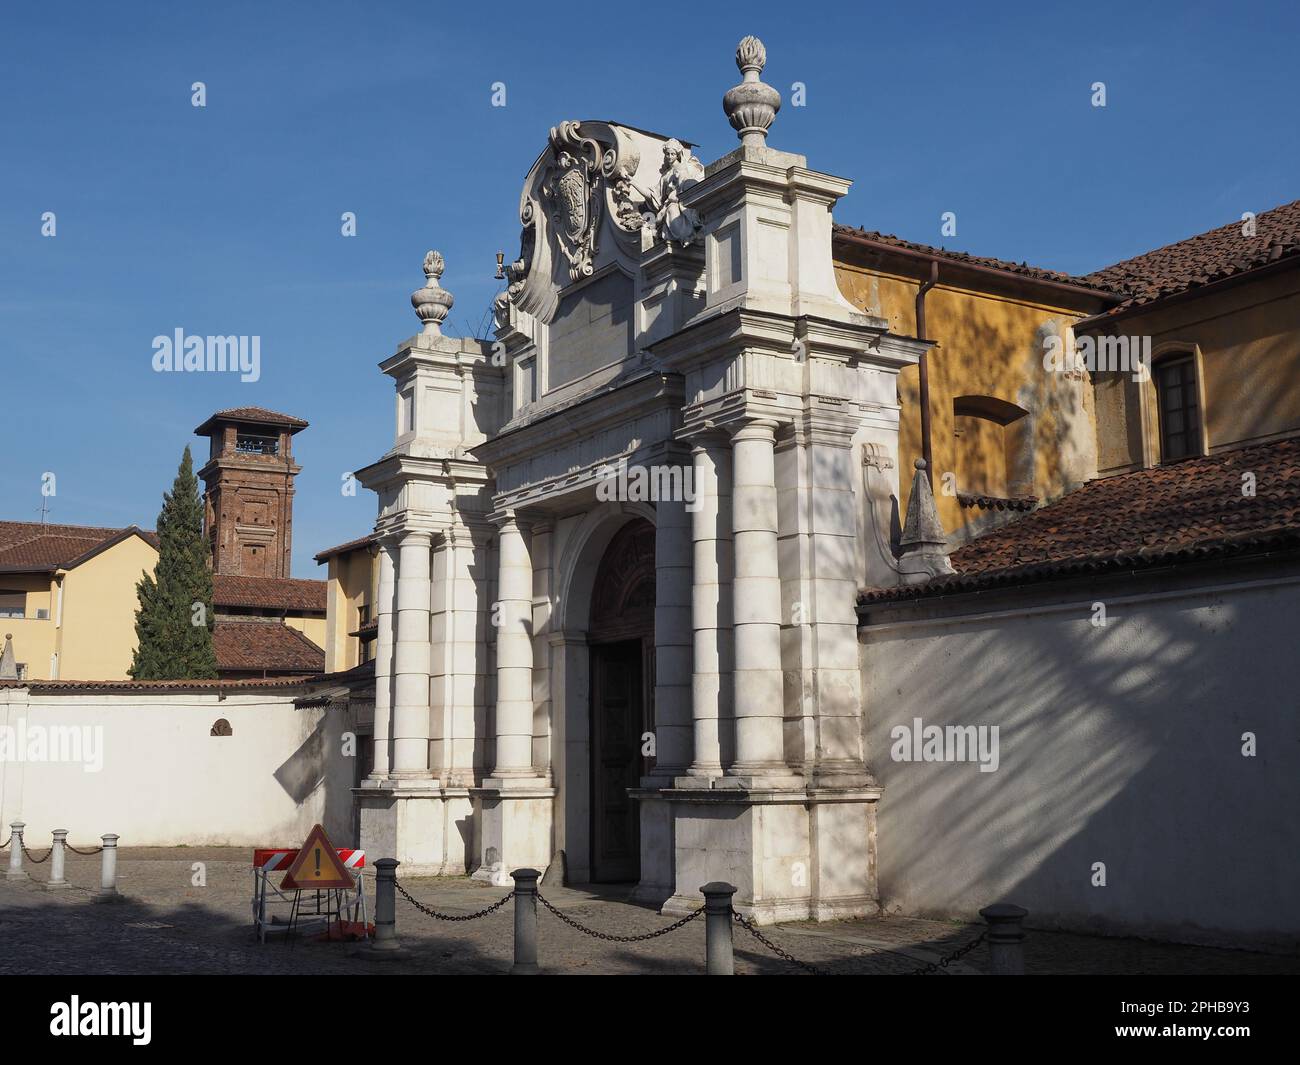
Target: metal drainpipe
[(922, 365)]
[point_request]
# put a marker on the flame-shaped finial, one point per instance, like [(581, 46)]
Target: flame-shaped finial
[(432, 303), (752, 105)]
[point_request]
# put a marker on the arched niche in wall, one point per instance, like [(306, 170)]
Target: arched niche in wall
[(993, 447)]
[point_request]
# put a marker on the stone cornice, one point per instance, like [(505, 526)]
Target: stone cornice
[(587, 415)]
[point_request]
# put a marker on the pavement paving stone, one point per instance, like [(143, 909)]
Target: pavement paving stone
[(187, 910)]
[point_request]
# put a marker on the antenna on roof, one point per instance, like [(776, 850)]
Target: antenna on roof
[(45, 507)]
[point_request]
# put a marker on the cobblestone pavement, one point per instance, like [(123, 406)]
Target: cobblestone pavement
[(164, 924)]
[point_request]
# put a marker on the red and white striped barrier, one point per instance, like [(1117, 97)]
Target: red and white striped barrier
[(269, 859)]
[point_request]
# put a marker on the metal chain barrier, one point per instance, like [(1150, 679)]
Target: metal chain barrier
[(93, 850), (450, 916), (618, 939), (924, 970), (944, 962), (34, 860), (784, 955), (6, 843)]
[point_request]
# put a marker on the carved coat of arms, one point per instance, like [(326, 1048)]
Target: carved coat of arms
[(571, 190)]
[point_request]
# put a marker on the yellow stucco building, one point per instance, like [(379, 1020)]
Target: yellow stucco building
[(67, 597)]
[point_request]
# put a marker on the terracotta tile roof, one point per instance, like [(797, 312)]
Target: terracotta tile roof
[(268, 593), (970, 500), (343, 549), (1184, 512), (852, 234), (252, 414), (264, 646), (1204, 258), (32, 546), (147, 686)]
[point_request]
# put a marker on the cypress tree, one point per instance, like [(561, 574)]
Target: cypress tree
[(169, 645)]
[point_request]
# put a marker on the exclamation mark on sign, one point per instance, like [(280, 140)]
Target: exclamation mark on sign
[(317, 863)]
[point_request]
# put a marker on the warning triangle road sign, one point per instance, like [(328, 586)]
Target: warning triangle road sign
[(317, 866)]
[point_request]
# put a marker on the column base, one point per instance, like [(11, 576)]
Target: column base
[(514, 816), (656, 881), (17, 876), (793, 854), (57, 885), (428, 828)]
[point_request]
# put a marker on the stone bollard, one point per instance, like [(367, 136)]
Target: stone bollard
[(1006, 938), (718, 957), (108, 870), (525, 922), (57, 880), (15, 870), (386, 905)]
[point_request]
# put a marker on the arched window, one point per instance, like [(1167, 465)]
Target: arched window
[(222, 728), (1178, 405), (992, 447)]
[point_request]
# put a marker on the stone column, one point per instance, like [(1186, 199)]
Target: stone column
[(514, 724), (541, 536), (673, 658), (756, 605), (711, 593), (411, 659), (384, 662)]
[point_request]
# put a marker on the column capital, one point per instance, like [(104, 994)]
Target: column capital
[(415, 537), (754, 429), (508, 518)]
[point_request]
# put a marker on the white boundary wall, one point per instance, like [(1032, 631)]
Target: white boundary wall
[(165, 781), (1120, 745)]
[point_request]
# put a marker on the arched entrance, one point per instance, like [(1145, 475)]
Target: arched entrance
[(621, 640)]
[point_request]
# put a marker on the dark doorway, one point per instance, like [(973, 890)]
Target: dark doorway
[(621, 635), (617, 721)]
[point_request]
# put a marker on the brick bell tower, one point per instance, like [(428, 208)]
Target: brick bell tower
[(248, 491)]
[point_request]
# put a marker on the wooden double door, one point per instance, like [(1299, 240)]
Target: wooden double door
[(620, 723), (621, 639)]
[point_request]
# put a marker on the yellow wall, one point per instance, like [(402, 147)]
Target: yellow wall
[(97, 637), (312, 627), (353, 583), (1249, 355), (34, 640), (987, 345)]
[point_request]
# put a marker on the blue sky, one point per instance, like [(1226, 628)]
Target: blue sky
[(226, 219)]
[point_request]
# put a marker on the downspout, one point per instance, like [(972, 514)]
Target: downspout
[(924, 368)]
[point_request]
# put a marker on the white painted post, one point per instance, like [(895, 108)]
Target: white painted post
[(57, 880), (15, 870), (108, 870)]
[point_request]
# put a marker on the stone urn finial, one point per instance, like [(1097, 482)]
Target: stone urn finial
[(433, 302), (752, 105)]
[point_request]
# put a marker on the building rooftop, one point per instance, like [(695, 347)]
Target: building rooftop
[(268, 593), (855, 235), (1204, 258), (1184, 512), (343, 549), (249, 645), (36, 547), (255, 415)]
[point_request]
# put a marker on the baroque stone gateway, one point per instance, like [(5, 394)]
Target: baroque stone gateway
[(658, 690)]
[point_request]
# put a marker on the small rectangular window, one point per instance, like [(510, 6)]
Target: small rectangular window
[(257, 444), (1179, 408)]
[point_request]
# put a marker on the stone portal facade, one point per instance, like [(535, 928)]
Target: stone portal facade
[(621, 544)]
